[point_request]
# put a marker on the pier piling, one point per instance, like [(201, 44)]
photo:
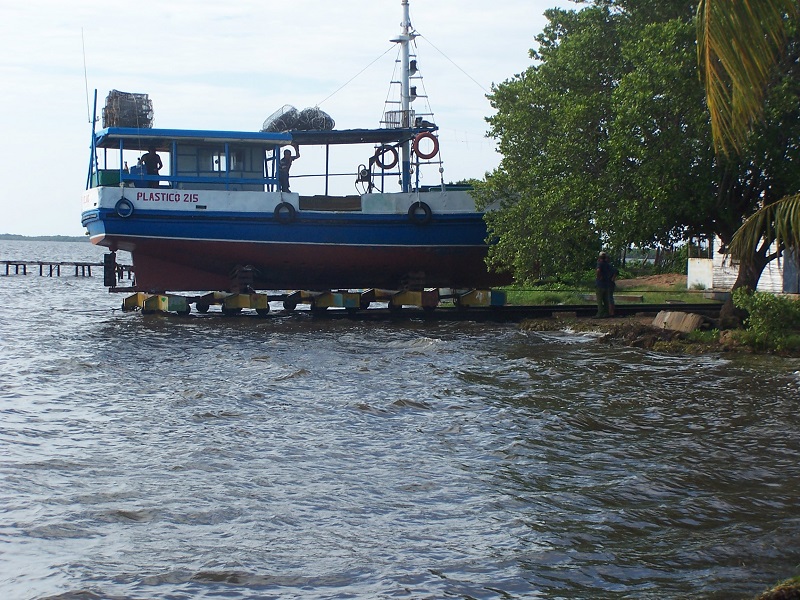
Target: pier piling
[(53, 268)]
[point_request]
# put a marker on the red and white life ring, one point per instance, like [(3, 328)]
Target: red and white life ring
[(422, 136), (379, 154)]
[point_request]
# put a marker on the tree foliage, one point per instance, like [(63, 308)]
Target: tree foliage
[(606, 140)]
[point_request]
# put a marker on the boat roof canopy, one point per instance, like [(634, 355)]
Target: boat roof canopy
[(357, 136), (161, 139)]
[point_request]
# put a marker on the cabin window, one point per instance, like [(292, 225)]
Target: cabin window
[(237, 160), (219, 163)]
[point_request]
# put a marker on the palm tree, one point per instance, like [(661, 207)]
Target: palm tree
[(739, 42), (779, 221)]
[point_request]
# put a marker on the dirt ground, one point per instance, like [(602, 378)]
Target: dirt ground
[(666, 280)]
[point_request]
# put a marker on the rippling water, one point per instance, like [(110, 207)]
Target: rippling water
[(291, 457)]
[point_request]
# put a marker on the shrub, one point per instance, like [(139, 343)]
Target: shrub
[(773, 322), (703, 337)]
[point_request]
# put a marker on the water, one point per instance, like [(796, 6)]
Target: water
[(290, 457)]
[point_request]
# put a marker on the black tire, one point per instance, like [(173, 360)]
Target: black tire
[(284, 213), (124, 208), (202, 307), (289, 305), (420, 213)]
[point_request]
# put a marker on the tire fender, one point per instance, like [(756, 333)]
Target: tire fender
[(284, 213), (124, 207), (420, 213)]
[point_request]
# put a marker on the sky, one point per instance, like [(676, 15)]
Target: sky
[(228, 65)]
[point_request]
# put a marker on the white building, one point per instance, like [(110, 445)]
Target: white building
[(720, 272)]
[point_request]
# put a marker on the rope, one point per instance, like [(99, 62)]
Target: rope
[(455, 65), (345, 84)]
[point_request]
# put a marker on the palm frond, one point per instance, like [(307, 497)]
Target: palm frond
[(779, 220), (738, 43)]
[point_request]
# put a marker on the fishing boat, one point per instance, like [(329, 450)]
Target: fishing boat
[(217, 216)]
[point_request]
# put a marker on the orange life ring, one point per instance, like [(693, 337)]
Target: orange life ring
[(379, 153), (430, 136)]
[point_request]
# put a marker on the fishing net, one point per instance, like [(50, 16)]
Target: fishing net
[(314, 119), (124, 109), (288, 118)]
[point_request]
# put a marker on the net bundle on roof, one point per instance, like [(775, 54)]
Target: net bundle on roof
[(125, 109), (288, 118)]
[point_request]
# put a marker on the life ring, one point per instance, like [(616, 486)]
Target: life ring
[(284, 213), (124, 207), (420, 213), (422, 136), (380, 152)]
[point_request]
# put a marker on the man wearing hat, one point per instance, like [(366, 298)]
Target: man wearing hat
[(603, 284)]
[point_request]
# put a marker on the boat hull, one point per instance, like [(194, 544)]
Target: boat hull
[(178, 250)]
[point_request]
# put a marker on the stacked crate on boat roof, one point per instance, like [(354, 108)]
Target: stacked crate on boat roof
[(125, 109)]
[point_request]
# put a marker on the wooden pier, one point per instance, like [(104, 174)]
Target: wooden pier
[(53, 268)]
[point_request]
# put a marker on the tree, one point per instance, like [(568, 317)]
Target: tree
[(604, 140)]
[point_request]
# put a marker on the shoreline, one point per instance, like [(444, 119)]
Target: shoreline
[(638, 331)]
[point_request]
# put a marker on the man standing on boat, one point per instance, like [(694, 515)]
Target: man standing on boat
[(152, 164), (285, 164)]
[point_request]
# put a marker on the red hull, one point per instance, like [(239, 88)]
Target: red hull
[(175, 265)]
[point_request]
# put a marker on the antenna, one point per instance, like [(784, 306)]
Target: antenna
[(86, 79)]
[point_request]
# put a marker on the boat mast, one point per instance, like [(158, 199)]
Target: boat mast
[(405, 94)]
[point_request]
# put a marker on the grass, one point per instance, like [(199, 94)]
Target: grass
[(586, 295)]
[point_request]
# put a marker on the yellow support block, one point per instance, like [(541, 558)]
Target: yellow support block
[(260, 302), (427, 298), (338, 300), (135, 301), (236, 302), (165, 303), (239, 301), (481, 298)]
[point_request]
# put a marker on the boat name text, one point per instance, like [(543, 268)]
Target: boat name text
[(166, 197)]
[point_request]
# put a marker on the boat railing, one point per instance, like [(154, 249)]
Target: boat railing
[(117, 177), (397, 119)]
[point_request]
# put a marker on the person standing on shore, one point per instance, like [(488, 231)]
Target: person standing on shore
[(603, 286)]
